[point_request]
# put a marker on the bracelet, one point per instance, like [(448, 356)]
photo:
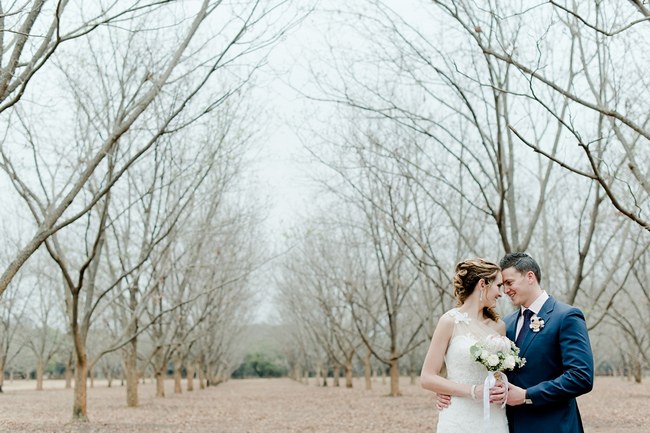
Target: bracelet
[(473, 392)]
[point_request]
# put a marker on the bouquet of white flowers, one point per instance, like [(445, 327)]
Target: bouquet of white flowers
[(497, 353)]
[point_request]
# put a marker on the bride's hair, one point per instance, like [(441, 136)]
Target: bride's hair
[(468, 274)]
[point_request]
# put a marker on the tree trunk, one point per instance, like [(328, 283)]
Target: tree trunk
[(160, 383), (190, 377), (131, 356), (178, 366), (68, 372), (201, 376), (394, 377), (367, 370), (131, 373), (219, 376), (348, 374), (637, 371), (2, 371), (297, 374), (79, 408), (336, 372), (39, 375), (201, 379)]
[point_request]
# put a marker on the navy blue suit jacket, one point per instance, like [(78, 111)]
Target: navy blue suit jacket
[(559, 367)]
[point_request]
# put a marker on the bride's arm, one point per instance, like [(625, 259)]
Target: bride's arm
[(430, 375)]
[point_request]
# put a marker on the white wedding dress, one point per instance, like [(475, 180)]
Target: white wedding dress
[(465, 415)]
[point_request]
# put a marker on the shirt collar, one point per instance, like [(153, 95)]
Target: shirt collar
[(537, 304)]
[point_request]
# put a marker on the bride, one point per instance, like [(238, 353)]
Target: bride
[(476, 287)]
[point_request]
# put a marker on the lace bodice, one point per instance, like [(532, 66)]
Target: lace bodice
[(465, 415), (461, 368)]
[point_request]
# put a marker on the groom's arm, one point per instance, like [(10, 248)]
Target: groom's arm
[(577, 365), (443, 401)]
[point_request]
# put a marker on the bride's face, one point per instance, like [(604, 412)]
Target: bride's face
[(493, 292)]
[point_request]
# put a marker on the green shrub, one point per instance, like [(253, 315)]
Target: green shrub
[(259, 364)]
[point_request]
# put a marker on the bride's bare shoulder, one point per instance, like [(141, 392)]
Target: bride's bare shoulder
[(449, 317)]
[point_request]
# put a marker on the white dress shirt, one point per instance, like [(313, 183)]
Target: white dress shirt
[(535, 307)]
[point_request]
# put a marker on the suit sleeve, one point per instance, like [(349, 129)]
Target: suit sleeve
[(577, 364)]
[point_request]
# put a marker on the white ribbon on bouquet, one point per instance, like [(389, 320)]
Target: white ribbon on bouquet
[(490, 381)]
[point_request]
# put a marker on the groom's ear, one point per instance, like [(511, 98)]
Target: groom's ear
[(530, 276)]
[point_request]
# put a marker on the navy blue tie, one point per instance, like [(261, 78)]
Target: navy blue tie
[(525, 327)]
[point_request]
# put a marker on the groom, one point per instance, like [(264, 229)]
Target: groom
[(553, 338)]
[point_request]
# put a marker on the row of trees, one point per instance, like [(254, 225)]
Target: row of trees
[(486, 128), (125, 128), (482, 129)]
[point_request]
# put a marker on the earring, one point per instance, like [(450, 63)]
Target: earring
[(480, 298)]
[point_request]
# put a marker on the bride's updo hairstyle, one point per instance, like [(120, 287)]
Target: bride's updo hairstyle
[(468, 274)]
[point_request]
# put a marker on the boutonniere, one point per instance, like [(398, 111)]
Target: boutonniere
[(536, 324)]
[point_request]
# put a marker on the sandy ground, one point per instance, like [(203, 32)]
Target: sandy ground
[(281, 405)]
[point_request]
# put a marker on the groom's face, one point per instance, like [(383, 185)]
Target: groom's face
[(516, 286)]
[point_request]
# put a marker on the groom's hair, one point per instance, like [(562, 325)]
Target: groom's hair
[(523, 263)]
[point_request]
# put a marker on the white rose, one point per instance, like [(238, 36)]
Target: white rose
[(509, 362), (498, 343), (484, 354), (491, 343), (503, 344), (493, 360)]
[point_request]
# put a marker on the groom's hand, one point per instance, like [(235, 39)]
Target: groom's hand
[(443, 401), (498, 393), (516, 395)]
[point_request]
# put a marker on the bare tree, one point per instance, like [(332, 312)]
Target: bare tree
[(147, 229), (629, 317), (151, 80), (12, 309), (223, 277), (47, 326), (31, 32), (381, 201), (595, 80), (312, 288), (455, 87), (154, 88), (464, 148)]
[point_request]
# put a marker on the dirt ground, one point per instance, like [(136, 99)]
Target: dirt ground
[(281, 406)]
